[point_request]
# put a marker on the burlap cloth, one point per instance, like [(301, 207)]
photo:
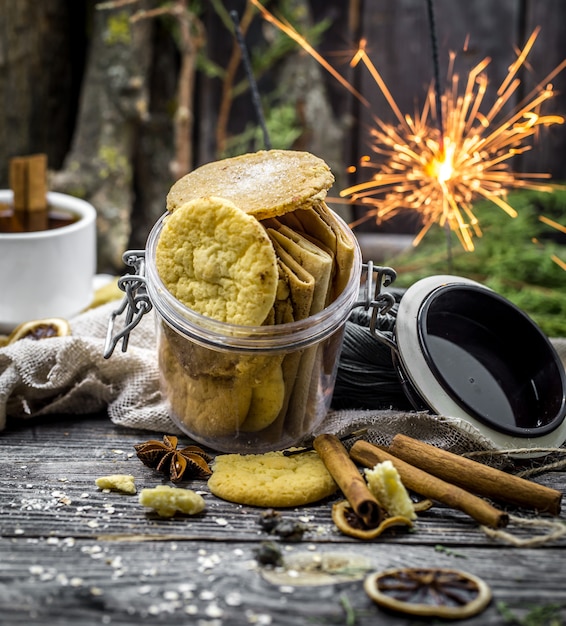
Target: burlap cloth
[(69, 375)]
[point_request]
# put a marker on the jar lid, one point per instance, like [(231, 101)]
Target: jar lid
[(469, 353)]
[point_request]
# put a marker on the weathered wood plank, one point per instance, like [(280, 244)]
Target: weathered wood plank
[(84, 582), (52, 492), (72, 554), (548, 53)]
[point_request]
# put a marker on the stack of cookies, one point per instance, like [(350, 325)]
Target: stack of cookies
[(249, 241)]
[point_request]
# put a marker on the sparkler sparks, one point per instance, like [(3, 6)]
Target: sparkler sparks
[(439, 172)]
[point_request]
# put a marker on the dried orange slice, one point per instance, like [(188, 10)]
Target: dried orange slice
[(351, 524), (40, 329), (430, 592)]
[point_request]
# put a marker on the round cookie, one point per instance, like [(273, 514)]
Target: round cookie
[(205, 406), (271, 479), (218, 261), (266, 401), (264, 184), (213, 408)]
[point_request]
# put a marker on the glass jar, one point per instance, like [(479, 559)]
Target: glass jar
[(247, 389)]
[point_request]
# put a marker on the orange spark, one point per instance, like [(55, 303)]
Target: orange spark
[(306, 46), (549, 222), (562, 229)]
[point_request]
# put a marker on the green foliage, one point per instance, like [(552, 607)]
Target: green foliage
[(282, 126), (265, 55), (278, 45), (543, 615), (118, 30), (513, 257)]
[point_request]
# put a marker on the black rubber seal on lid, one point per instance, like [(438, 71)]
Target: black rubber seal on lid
[(492, 360)]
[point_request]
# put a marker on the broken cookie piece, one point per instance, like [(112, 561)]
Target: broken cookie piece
[(167, 501), (117, 482)]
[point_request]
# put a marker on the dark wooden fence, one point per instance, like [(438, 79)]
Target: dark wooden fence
[(399, 40), (45, 46)]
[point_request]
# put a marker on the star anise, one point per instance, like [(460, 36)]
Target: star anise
[(165, 457)]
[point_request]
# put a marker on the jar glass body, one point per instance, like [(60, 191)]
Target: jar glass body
[(246, 389)]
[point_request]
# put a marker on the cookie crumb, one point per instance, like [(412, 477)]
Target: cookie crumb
[(124, 483)]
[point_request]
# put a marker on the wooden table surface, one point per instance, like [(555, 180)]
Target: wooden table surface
[(73, 554)]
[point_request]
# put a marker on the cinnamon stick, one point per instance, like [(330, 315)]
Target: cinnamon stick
[(347, 476), (476, 477), (18, 185), (28, 181), (432, 487), (37, 192)]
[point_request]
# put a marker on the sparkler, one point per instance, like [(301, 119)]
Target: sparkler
[(562, 229), (438, 170), (440, 173)]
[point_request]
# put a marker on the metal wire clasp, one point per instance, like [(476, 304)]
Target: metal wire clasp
[(380, 302), (136, 302)]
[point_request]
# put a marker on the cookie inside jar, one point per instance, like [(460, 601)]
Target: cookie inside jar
[(253, 276)]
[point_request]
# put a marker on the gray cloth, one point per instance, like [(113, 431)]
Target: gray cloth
[(70, 375)]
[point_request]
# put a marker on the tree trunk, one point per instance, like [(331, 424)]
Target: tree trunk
[(114, 103), (41, 64)]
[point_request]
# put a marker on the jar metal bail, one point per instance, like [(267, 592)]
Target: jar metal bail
[(135, 304), (380, 302)]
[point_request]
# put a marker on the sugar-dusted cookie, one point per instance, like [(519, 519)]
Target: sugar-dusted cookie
[(218, 261), (271, 479), (264, 184)]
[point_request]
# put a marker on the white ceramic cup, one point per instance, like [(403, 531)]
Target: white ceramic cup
[(48, 273)]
